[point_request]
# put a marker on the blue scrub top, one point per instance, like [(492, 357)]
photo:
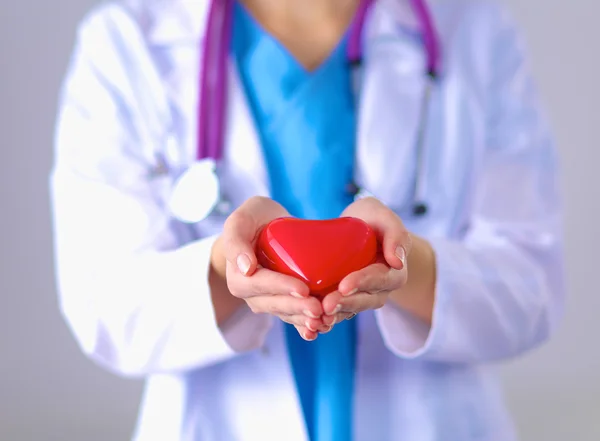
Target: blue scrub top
[(306, 123)]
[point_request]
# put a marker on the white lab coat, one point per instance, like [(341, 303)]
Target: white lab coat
[(133, 281)]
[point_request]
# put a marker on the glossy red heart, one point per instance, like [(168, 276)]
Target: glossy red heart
[(319, 252)]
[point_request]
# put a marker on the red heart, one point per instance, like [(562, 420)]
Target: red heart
[(320, 253)]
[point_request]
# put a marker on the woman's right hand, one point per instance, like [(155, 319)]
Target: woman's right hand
[(265, 291)]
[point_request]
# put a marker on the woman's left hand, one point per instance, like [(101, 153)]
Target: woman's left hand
[(370, 287)]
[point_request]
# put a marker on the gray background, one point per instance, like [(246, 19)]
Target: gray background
[(48, 391)]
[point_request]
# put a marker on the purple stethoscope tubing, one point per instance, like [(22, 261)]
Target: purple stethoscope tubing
[(214, 71), (213, 87)]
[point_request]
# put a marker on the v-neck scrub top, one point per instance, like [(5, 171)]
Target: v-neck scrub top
[(306, 124)]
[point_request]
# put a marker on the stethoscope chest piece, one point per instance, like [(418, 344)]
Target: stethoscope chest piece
[(196, 192)]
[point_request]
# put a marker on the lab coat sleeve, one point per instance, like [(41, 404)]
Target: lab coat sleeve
[(133, 284), (500, 288)]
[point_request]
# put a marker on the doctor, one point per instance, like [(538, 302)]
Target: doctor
[(165, 172)]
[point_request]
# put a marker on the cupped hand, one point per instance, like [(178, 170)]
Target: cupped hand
[(370, 287), (266, 291)]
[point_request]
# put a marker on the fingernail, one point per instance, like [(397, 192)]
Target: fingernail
[(401, 254), (306, 338), (309, 313), (326, 330), (243, 263), (337, 309), (351, 293), (297, 295), (309, 327)]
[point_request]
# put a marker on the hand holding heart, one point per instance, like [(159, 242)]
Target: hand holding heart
[(370, 287), (266, 291), (320, 272)]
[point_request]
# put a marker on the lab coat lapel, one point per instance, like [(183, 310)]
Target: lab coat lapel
[(175, 29), (173, 22), (244, 171), (390, 103)]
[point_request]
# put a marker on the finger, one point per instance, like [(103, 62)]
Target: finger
[(325, 329), (373, 279), (331, 303), (394, 237), (361, 302), (264, 282), (311, 324), (238, 233), (332, 320), (241, 228), (286, 305), (306, 334)]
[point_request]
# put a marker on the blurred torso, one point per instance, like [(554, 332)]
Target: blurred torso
[(252, 396)]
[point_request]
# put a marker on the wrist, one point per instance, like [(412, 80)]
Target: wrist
[(422, 255), (218, 262), (418, 295), (224, 303)]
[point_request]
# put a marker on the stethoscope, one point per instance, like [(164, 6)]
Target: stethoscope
[(196, 194)]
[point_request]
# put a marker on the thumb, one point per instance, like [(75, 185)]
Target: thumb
[(238, 234), (397, 244), (396, 241), (241, 230)]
